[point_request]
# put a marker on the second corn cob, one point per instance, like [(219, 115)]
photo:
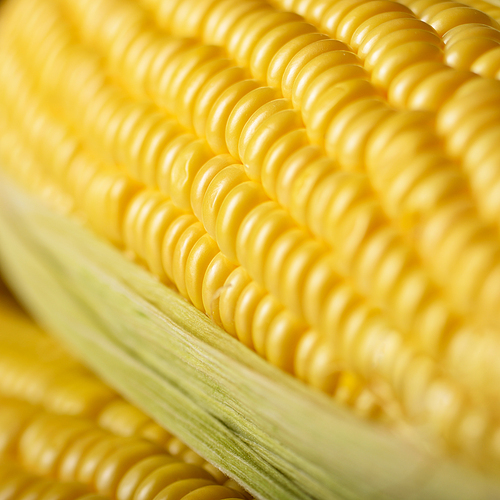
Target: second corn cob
[(60, 423)]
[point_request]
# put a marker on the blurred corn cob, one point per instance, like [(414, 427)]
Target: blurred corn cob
[(65, 434)]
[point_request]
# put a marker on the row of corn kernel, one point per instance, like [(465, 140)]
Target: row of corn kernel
[(487, 7), (17, 484), (475, 51), (82, 174), (26, 170), (274, 29), (70, 449), (435, 75), (470, 34), (471, 121), (379, 32)]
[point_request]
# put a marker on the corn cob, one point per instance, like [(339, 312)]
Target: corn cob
[(85, 458), (302, 191), (35, 369), (59, 421), (16, 483)]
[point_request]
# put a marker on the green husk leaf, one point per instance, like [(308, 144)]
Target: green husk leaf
[(279, 438)]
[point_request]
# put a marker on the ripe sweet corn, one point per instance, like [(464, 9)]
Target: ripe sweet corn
[(318, 177)]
